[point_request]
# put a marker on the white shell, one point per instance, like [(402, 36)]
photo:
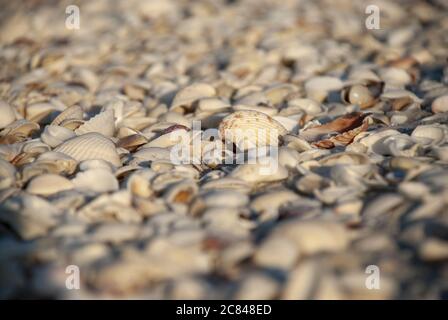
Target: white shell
[(430, 134), (74, 112), (103, 123), (189, 94), (55, 135), (90, 146), (267, 170), (96, 180)]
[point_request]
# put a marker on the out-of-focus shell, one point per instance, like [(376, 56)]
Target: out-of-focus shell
[(186, 96), (96, 180), (7, 115), (48, 184), (90, 146)]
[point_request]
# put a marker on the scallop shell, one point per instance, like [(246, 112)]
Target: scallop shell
[(55, 135), (7, 114), (103, 123), (248, 129), (48, 184), (72, 113), (90, 146)]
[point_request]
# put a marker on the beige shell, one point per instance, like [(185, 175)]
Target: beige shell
[(248, 129), (440, 104), (55, 135), (430, 134), (7, 114), (317, 88), (90, 146), (72, 113), (18, 131), (103, 123), (266, 170), (186, 96), (96, 180), (48, 184), (7, 174)]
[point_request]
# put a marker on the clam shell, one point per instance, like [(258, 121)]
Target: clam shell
[(103, 123), (7, 174), (317, 88), (248, 129), (267, 170), (7, 114), (55, 135), (48, 184), (90, 146)]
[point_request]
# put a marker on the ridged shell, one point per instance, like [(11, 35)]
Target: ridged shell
[(248, 129), (48, 184), (55, 135), (74, 112), (90, 146), (103, 123)]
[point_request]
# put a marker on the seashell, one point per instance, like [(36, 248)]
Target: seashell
[(64, 163), (55, 135), (309, 106), (132, 142), (172, 137), (90, 146), (48, 184), (395, 77), (348, 127), (72, 113), (7, 174), (263, 109), (266, 170), (186, 96), (103, 123), (28, 215), (225, 198), (96, 180), (7, 114), (317, 88), (138, 183), (439, 105), (72, 124), (93, 164), (272, 201), (212, 105), (430, 134), (38, 112), (181, 193), (175, 118), (287, 123), (151, 154), (287, 157), (399, 145), (18, 131), (250, 129), (227, 183), (365, 95)]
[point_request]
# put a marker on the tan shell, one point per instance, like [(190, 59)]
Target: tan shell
[(73, 113), (90, 146), (440, 104), (7, 174), (48, 184), (18, 131), (186, 96), (7, 114), (103, 123), (248, 129)]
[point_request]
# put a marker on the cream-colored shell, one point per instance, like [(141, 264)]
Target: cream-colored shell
[(48, 184), (90, 146), (248, 129)]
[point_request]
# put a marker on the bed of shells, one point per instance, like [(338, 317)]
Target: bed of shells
[(86, 177)]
